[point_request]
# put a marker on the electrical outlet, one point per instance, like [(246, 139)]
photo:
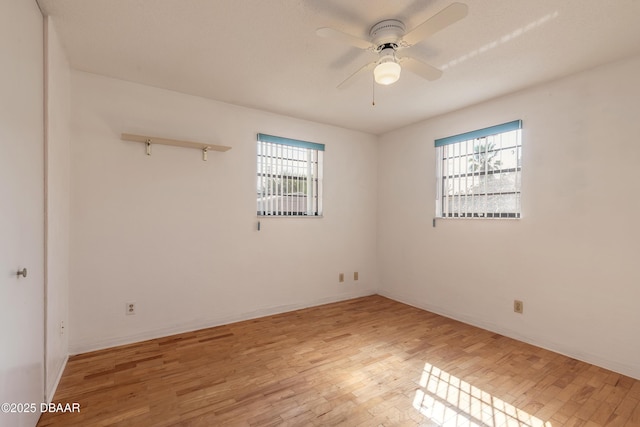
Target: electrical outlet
[(518, 306), (131, 308), (341, 277), (355, 276)]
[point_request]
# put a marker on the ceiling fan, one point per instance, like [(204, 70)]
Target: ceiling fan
[(388, 36)]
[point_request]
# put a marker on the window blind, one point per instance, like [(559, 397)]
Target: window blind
[(289, 176), (479, 173)]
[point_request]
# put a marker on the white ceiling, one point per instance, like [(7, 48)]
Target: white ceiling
[(265, 54)]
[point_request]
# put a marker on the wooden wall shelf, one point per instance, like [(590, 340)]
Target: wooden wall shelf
[(148, 140)]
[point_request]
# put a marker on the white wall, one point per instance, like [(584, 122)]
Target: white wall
[(572, 258), (178, 236), (57, 197)]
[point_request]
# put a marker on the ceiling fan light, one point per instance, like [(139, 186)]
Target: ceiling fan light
[(387, 73)]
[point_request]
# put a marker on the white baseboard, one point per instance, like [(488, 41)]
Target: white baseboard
[(52, 391), (85, 346), (538, 341)]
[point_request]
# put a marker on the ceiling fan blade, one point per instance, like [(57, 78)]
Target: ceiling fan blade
[(447, 16), (352, 78), (334, 34), (425, 71)]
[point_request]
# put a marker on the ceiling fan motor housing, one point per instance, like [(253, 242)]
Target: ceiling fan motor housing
[(387, 54), (387, 32)]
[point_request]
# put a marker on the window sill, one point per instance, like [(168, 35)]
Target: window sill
[(289, 216)]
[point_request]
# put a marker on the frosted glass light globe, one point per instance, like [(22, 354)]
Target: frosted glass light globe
[(387, 73)]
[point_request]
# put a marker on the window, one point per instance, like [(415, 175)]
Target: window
[(479, 173), (289, 177)]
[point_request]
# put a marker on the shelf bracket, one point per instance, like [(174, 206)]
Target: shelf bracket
[(204, 153), (148, 144)]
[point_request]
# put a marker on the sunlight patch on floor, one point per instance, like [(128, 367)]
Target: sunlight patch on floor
[(451, 402)]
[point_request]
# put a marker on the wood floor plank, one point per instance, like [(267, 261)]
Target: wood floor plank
[(364, 362)]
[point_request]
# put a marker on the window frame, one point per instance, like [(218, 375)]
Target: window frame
[(470, 208)]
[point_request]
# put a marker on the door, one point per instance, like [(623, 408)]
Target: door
[(21, 212)]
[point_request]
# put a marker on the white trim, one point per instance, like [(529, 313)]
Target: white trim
[(45, 200), (85, 346), (52, 392), (538, 341)]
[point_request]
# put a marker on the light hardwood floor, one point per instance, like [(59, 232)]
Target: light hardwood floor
[(364, 362)]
